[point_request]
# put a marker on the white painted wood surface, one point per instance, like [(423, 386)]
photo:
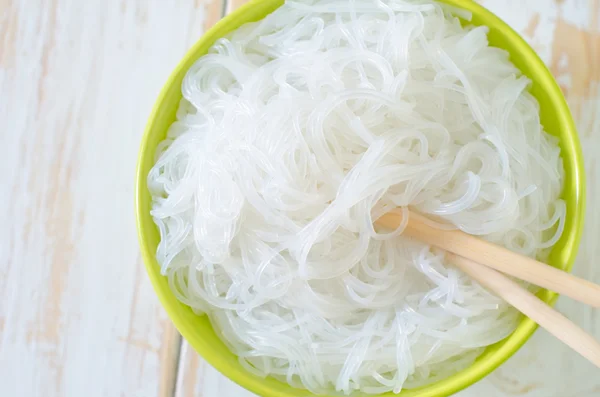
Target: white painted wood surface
[(77, 314)]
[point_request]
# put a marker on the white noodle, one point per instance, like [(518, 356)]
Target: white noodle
[(296, 133)]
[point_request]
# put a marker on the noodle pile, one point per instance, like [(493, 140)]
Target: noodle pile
[(294, 134)]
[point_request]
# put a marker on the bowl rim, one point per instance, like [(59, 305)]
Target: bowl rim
[(447, 386)]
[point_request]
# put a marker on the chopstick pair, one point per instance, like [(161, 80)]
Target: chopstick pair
[(485, 262)]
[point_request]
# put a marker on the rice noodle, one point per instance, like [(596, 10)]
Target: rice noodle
[(298, 131)]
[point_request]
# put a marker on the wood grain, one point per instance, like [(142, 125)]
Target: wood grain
[(77, 313), (234, 4), (77, 80)]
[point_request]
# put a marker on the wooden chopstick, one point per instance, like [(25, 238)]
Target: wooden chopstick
[(531, 306), (496, 257), (479, 258)]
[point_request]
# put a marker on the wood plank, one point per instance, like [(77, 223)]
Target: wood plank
[(234, 4), (197, 378), (77, 81), (565, 33)]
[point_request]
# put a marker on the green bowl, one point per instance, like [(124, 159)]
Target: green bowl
[(197, 330)]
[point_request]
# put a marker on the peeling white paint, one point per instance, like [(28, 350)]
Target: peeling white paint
[(77, 80), (77, 314)]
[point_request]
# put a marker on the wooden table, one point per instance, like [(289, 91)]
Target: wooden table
[(78, 316)]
